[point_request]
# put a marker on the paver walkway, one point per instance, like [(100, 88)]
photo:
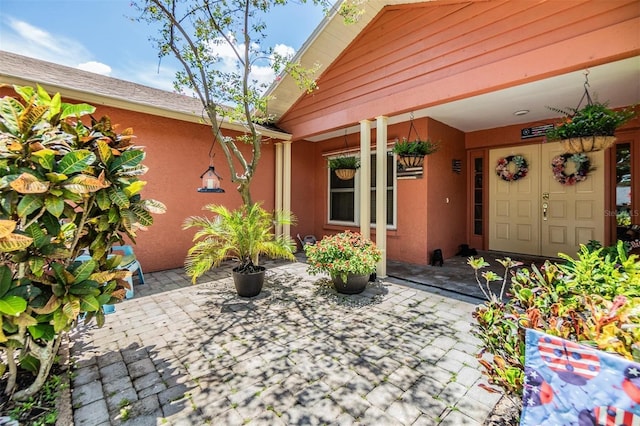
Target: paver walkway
[(297, 354)]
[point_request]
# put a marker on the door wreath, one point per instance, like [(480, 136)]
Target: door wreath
[(582, 163), (502, 169)]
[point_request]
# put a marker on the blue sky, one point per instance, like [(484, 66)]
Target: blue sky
[(99, 36)]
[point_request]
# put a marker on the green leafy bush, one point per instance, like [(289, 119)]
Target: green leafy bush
[(65, 187), (342, 254), (593, 299), (344, 163), (415, 147), (593, 120)]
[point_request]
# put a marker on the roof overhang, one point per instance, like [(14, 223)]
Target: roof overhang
[(617, 82), (330, 38)]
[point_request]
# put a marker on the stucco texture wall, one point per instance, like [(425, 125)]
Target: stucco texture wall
[(446, 191), (425, 220), (177, 154)]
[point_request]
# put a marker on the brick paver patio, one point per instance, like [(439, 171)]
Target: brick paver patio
[(297, 354)]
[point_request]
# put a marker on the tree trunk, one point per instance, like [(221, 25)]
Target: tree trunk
[(13, 371), (245, 193), (46, 355)]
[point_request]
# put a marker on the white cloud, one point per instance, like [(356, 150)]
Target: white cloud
[(25, 39), (261, 71), (95, 67), (284, 50), (262, 74)]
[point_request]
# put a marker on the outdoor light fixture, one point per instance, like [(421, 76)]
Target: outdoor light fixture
[(521, 112), (210, 181)]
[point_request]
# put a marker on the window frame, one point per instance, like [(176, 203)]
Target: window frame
[(356, 193)]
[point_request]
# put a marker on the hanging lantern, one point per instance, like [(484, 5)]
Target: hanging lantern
[(210, 181)]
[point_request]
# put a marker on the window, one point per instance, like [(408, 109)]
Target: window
[(623, 188), (477, 196), (344, 196)]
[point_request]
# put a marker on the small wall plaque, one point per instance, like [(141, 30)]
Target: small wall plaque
[(535, 132), (456, 166)]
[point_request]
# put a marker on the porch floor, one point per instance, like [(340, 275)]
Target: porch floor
[(401, 353)]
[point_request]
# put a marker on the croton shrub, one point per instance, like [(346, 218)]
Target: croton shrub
[(67, 187), (593, 299)]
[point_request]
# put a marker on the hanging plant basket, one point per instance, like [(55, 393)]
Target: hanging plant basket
[(408, 161), (345, 174), (588, 128), (587, 144), (411, 152)]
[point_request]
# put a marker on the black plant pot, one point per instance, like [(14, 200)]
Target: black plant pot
[(355, 283), (249, 284)]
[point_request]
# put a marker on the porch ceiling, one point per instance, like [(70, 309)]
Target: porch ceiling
[(617, 83)]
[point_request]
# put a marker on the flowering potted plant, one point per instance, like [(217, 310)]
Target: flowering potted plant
[(348, 258), (344, 167), (591, 128), (411, 153)]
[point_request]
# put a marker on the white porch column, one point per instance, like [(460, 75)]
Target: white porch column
[(279, 185), (381, 193), (365, 178), (286, 184)]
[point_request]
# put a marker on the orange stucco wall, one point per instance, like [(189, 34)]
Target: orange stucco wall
[(425, 220), (447, 191), (177, 154), (306, 187)]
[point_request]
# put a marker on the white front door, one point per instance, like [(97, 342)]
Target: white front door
[(537, 215), (575, 213)]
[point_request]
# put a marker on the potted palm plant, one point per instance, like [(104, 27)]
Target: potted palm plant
[(591, 128), (242, 234), (348, 258), (344, 167), (412, 153)]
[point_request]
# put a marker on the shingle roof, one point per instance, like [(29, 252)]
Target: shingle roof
[(98, 89)]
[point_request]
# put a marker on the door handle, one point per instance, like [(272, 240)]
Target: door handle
[(545, 207)]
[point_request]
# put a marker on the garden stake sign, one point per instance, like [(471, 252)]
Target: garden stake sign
[(569, 383)]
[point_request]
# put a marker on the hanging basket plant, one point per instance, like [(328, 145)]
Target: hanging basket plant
[(582, 167), (411, 152), (344, 167), (590, 128)]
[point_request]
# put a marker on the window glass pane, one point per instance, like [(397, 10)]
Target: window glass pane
[(389, 170), (342, 206), (477, 227), (477, 196), (390, 207), (390, 218), (343, 195), (623, 186)]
